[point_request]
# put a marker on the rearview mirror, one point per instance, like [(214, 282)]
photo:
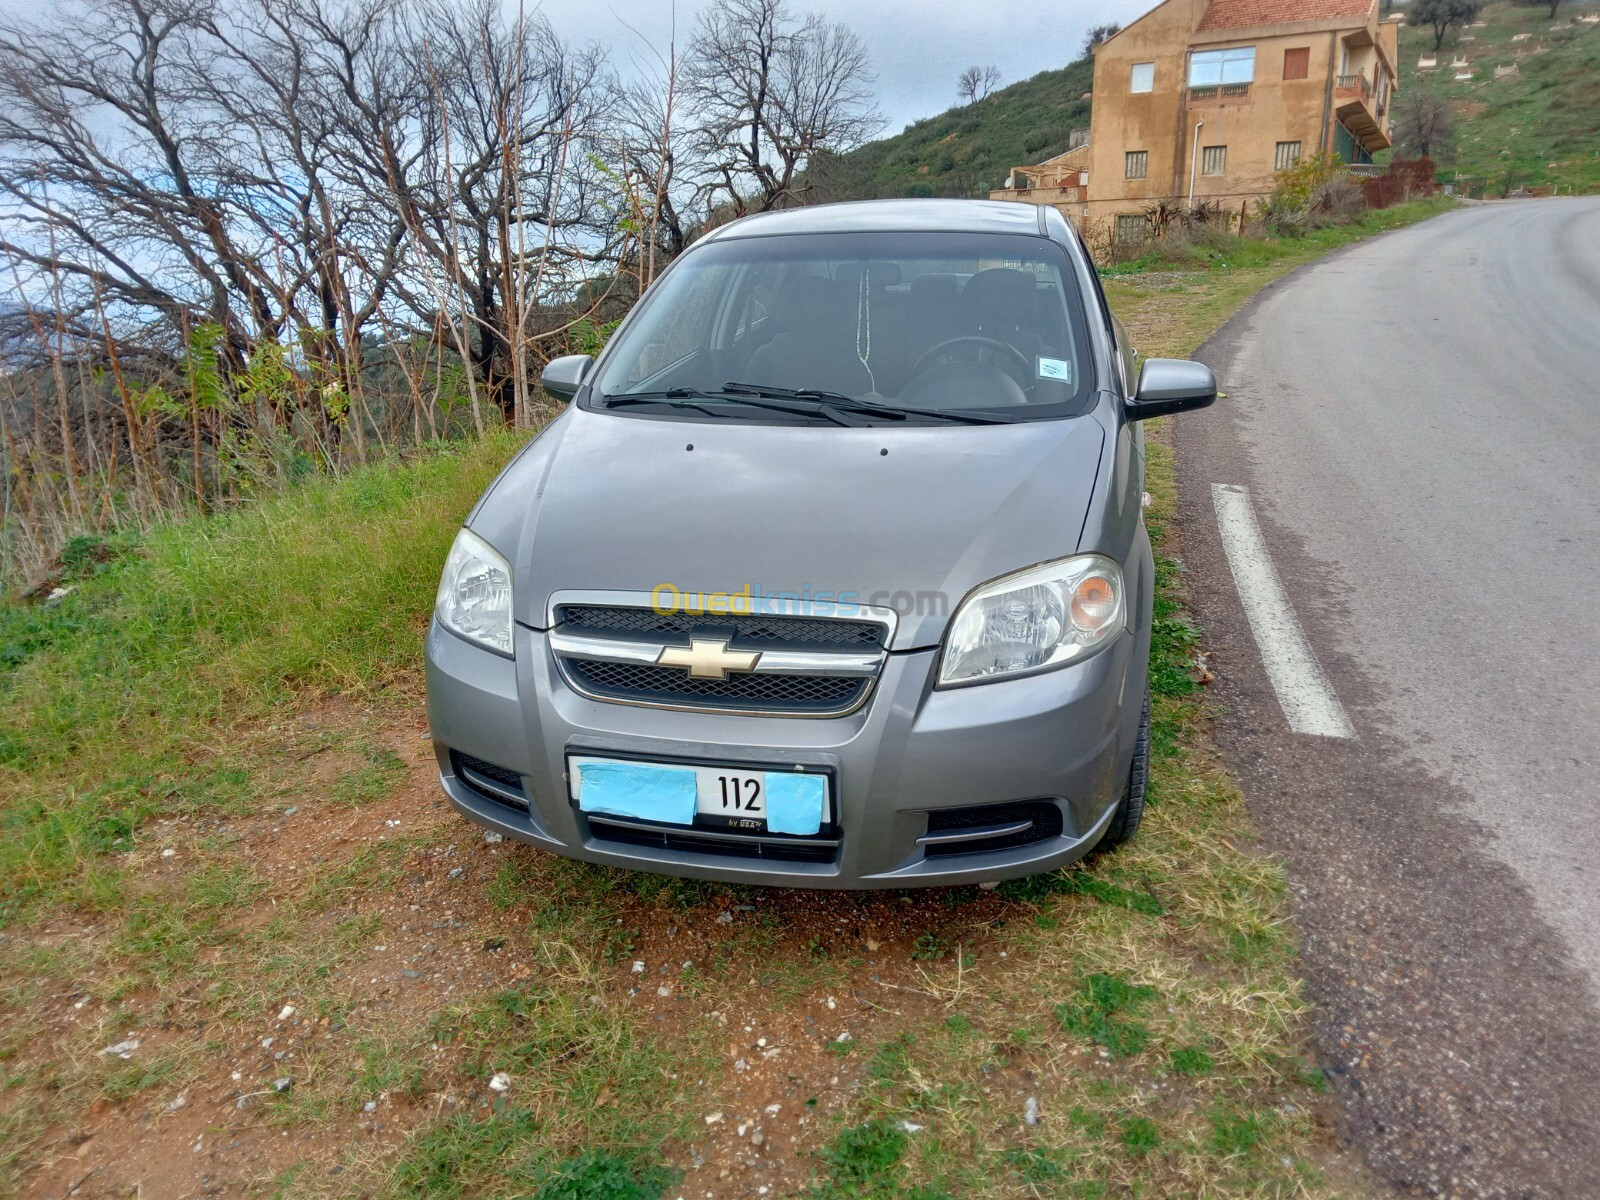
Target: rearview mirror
[(1169, 385), (564, 376)]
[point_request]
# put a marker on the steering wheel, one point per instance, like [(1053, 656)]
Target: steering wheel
[(1014, 357)]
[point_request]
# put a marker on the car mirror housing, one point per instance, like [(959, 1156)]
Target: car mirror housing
[(1170, 385), (564, 376)]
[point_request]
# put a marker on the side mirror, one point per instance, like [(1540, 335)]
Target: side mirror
[(1170, 385), (564, 376)]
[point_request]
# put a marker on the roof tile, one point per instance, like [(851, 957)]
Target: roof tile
[(1240, 14)]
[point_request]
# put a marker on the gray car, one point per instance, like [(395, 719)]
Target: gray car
[(834, 571)]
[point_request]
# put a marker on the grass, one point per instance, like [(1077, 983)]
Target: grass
[(115, 702), (969, 149), (1538, 128), (1146, 1002)]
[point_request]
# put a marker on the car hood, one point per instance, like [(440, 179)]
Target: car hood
[(607, 502)]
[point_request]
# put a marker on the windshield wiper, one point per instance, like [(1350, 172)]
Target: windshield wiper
[(682, 397), (678, 397), (871, 407)]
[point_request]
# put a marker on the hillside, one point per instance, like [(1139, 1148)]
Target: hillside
[(968, 150), (1539, 127)]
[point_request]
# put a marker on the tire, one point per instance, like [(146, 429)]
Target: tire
[(1130, 809)]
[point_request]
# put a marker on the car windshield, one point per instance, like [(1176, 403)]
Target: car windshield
[(855, 327)]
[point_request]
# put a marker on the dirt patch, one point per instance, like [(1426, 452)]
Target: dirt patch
[(792, 993)]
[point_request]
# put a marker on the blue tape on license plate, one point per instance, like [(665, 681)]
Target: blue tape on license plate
[(640, 791)]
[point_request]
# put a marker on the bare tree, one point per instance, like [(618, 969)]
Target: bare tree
[(768, 90), (662, 187), (976, 83), (1441, 16), (1424, 126), (506, 206), (1098, 34), (109, 151), (246, 234)]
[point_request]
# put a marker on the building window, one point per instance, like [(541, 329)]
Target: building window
[(1297, 62), (1131, 228), (1144, 77), (1208, 68), (1213, 160), (1286, 155), (1135, 164)]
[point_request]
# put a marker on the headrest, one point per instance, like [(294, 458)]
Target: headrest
[(1001, 298), (813, 302), (934, 286), (880, 274)]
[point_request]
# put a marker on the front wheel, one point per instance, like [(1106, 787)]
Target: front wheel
[(1130, 809)]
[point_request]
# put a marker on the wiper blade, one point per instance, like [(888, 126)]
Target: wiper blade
[(672, 397), (762, 389), (871, 407), (682, 397)]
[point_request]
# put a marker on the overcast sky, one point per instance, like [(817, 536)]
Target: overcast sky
[(918, 49)]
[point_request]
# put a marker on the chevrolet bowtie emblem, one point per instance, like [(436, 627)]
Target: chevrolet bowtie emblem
[(708, 659)]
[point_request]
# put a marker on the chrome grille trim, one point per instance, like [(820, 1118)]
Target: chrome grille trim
[(624, 667), (772, 662)]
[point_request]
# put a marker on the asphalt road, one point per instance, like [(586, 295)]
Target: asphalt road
[(1417, 422)]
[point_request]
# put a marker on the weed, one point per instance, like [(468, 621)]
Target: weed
[(1104, 1012), (1190, 1060), (927, 948), (1091, 1121), (1235, 1132), (600, 1175), (1140, 1136), (863, 1161), (893, 1058), (1086, 883), (1034, 1166)]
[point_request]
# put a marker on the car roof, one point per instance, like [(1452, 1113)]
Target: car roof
[(890, 216)]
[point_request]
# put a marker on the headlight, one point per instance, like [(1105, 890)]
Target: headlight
[(1046, 616), (475, 593)]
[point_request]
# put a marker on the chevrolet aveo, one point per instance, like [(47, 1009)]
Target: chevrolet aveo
[(833, 573)]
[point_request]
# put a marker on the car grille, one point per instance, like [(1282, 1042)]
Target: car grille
[(757, 629), (608, 652), (756, 693)]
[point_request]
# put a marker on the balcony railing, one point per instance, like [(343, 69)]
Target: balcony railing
[(1214, 91), (1354, 83)]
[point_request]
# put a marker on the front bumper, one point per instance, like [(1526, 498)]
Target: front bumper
[(1064, 736)]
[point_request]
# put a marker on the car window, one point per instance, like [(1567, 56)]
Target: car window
[(975, 321)]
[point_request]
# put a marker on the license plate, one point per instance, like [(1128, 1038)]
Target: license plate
[(680, 794), (737, 798)]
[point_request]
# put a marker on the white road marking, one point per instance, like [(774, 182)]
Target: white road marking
[(1307, 700)]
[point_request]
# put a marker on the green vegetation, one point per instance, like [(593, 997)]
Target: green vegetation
[(110, 699), (863, 1161), (969, 150), (1105, 1012), (1537, 128)]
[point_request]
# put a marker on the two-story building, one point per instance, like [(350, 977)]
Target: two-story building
[(1209, 99)]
